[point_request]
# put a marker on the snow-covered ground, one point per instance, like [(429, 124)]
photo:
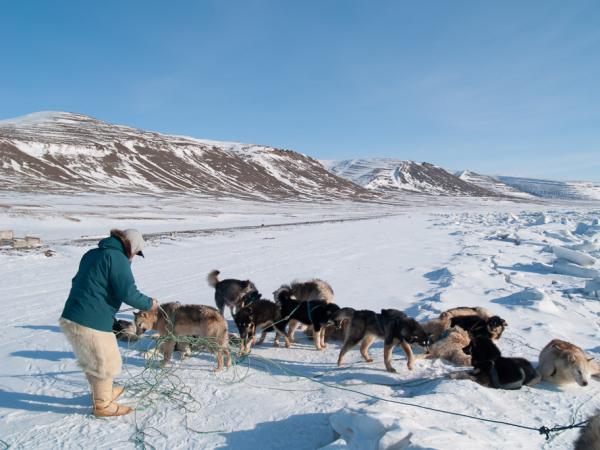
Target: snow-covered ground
[(422, 260)]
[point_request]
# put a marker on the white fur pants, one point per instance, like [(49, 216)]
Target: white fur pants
[(97, 351)]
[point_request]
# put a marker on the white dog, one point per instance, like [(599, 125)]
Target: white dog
[(562, 362)]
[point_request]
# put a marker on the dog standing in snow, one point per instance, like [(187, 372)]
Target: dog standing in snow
[(316, 313), (305, 291), (562, 362), (187, 320), (229, 292), (264, 315), (392, 326)]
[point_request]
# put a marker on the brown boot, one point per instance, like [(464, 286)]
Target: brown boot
[(102, 397), (117, 391)]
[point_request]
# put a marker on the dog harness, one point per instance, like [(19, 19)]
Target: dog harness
[(309, 310)]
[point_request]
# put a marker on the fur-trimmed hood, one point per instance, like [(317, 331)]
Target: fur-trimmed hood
[(117, 237)]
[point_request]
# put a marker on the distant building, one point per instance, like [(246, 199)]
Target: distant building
[(8, 239)]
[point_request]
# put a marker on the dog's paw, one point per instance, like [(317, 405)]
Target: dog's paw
[(152, 353), (392, 370), (370, 360)]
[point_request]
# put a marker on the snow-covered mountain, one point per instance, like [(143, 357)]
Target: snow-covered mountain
[(568, 190), (492, 184), (57, 151), (392, 176)]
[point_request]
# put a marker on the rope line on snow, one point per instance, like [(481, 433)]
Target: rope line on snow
[(151, 390), (149, 387), (544, 430)]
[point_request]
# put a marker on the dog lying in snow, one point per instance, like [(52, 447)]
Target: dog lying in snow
[(466, 311), (229, 292), (491, 327), (187, 320), (562, 362), (392, 326), (305, 291), (437, 326), (264, 315), (450, 347), (491, 369)]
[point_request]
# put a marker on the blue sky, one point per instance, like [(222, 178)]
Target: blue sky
[(510, 87)]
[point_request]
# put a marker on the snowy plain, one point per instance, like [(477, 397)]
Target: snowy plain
[(422, 257)]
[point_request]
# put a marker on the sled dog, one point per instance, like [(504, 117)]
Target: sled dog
[(492, 327), (562, 362), (229, 292), (313, 312), (187, 320), (491, 369), (391, 326), (264, 315)]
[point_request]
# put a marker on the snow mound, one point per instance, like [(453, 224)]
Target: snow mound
[(563, 267), (573, 256), (363, 429), (528, 298)]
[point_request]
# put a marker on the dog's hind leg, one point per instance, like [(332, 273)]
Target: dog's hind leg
[(317, 338), (219, 355), (547, 369), (323, 346), (409, 354), (263, 336), (294, 324), (220, 302), (388, 348), (167, 348), (345, 348), (462, 375), (535, 380), (364, 347)]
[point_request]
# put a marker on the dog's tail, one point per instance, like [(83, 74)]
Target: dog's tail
[(325, 290), (213, 278)]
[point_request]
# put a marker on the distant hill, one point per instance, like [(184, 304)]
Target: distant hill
[(58, 151), (393, 176)]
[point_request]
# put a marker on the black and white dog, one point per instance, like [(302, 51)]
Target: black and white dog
[(491, 327), (491, 369), (260, 314), (314, 312)]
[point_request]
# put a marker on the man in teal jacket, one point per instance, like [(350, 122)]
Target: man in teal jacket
[(103, 282)]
